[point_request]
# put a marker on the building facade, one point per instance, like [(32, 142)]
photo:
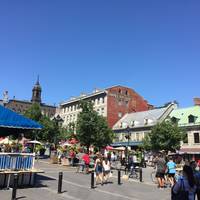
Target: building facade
[(132, 128), (20, 106), (112, 103), (189, 120)]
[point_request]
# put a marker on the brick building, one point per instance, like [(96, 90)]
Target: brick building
[(20, 106), (112, 103)]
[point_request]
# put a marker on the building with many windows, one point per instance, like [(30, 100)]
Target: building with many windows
[(112, 103), (189, 120), (131, 129), (20, 106)]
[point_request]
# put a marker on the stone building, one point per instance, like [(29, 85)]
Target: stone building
[(189, 120), (131, 129), (112, 103), (20, 106)]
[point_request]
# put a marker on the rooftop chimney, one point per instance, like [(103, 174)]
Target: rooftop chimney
[(196, 101)]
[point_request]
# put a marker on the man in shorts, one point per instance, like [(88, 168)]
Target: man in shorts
[(171, 166), (160, 172)]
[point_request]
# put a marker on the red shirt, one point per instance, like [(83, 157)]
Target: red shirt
[(86, 158)]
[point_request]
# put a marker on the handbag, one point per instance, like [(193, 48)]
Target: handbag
[(182, 193)]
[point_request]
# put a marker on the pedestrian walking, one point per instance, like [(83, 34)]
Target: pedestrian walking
[(160, 172), (99, 169), (171, 170), (106, 169)]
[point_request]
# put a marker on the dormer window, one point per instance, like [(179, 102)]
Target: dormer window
[(133, 123), (191, 119), (174, 120), (145, 121)]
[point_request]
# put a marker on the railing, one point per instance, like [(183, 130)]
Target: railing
[(16, 161)]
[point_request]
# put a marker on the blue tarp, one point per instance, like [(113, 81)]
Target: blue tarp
[(11, 119)]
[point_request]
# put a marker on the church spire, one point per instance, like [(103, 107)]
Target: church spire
[(36, 92), (38, 80)]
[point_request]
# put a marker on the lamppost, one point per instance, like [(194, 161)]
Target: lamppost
[(128, 138), (58, 121)]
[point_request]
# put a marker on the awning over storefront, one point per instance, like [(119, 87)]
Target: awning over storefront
[(12, 122), (135, 143), (190, 150)]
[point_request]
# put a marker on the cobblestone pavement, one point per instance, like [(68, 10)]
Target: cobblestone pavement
[(76, 186)]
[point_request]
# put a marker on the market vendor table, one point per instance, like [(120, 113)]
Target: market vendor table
[(17, 163), (25, 178)]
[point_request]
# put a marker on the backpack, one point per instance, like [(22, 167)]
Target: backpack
[(182, 193)]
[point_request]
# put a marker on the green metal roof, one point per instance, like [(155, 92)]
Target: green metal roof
[(182, 115)]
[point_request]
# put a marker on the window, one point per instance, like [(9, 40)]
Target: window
[(185, 138), (137, 136), (126, 92), (120, 102), (174, 120), (191, 119), (119, 114), (133, 123), (145, 121), (196, 137)]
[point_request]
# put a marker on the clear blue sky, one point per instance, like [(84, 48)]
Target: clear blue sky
[(152, 46)]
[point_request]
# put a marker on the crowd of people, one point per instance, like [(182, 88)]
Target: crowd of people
[(183, 181)]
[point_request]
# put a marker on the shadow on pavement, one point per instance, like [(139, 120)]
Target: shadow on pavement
[(23, 197)]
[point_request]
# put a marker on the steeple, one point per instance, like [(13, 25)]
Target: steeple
[(36, 92)]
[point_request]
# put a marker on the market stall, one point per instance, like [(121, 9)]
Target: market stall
[(16, 163)]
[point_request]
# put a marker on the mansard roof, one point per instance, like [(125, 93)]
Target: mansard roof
[(144, 118), (182, 115)]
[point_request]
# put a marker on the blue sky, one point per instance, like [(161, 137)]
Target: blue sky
[(152, 46)]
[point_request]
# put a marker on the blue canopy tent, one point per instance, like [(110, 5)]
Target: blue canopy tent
[(14, 123)]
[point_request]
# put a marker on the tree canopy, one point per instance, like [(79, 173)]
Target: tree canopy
[(50, 132), (164, 136), (92, 129)]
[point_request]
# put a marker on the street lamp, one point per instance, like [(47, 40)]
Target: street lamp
[(128, 138), (58, 121)]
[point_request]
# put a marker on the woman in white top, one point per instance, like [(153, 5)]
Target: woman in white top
[(106, 169)]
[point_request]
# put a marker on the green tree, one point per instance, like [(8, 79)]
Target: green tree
[(49, 133), (92, 129), (70, 130), (34, 112), (164, 136)]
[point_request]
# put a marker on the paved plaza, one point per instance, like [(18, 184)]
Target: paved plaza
[(76, 186)]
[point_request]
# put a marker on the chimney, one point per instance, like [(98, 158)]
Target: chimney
[(196, 101)]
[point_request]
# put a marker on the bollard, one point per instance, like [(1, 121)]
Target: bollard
[(119, 177), (140, 174), (15, 183), (60, 177), (92, 180)]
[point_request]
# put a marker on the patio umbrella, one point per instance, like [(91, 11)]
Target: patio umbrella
[(119, 148), (34, 142), (66, 144), (109, 148), (6, 141)]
